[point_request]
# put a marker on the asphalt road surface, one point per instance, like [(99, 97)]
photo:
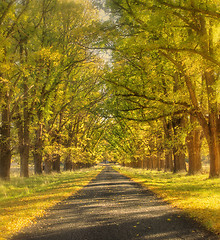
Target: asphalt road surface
[(112, 207)]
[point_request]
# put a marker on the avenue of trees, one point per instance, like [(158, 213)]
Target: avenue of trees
[(165, 77), (49, 85), (141, 88)]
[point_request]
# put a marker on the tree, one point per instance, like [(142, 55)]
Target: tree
[(182, 33), (59, 58), (45, 49), (11, 13), (194, 144)]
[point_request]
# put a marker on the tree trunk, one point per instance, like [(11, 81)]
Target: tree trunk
[(179, 155), (162, 164), (142, 162), (211, 127), (5, 142), (193, 141), (23, 150), (154, 162), (168, 131), (23, 124), (145, 162), (214, 125), (56, 162), (37, 153), (48, 164), (25, 159), (68, 166), (159, 147), (159, 161), (148, 162), (168, 161), (24, 143), (179, 161), (214, 152)]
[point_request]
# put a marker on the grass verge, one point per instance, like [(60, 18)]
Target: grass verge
[(22, 200), (197, 195)]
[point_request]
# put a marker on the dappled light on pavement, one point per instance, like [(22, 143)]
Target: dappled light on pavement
[(112, 207)]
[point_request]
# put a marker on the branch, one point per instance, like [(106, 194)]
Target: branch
[(153, 118), (6, 11), (191, 90), (135, 94), (192, 9), (130, 12), (192, 51), (184, 19), (14, 24), (19, 99)]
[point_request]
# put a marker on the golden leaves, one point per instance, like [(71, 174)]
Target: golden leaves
[(48, 56)]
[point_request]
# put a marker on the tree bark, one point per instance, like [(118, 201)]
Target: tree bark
[(213, 136), (179, 161), (145, 162), (25, 160), (72, 128), (56, 162), (23, 139), (68, 166), (159, 152), (48, 164), (179, 155), (159, 161), (214, 151), (23, 122), (211, 125), (168, 161), (193, 142), (5, 142), (168, 131), (38, 147), (23, 147), (154, 162)]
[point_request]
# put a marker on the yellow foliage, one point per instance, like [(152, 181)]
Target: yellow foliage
[(47, 55)]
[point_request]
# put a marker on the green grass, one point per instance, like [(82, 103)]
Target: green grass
[(22, 200), (197, 195)]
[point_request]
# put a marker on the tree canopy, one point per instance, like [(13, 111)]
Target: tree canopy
[(132, 81)]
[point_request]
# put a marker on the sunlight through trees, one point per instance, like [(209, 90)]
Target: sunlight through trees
[(130, 81)]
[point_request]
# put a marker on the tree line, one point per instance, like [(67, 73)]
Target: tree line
[(139, 87), (49, 85), (164, 82)]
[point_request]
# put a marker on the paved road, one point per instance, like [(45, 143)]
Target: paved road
[(112, 207)]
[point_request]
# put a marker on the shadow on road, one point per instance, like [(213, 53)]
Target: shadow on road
[(112, 207)]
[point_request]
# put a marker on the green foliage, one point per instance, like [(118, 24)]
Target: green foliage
[(66, 95), (52, 75), (163, 54)]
